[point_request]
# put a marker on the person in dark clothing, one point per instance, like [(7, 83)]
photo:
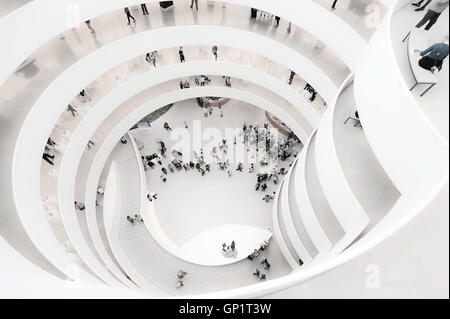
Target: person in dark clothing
[(50, 142), (167, 127), (129, 16), (80, 206), (181, 53), (265, 264), (277, 21), (418, 4), (433, 14), (215, 50), (149, 57), (144, 9), (333, 6), (72, 110), (291, 77), (48, 158), (194, 2), (264, 187), (131, 220), (88, 24), (433, 57), (90, 144)]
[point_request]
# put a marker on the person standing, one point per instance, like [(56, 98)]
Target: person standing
[(51, 142), (194, 2), (291, 77), (85, 96), (129, 16), (144, 9), (433, 14), (215, 50), (90, 144), (277, 21), (181, 54), (333, 6), (88, 24), (149, 57), (167, 127)]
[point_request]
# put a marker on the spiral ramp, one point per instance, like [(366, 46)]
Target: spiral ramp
[(352, 186)]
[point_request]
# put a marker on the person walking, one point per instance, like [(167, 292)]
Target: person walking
[(130, 220), (144, 9), (333, 6), (433, 14), (48, 158), (88, 24), (90, 144), (72, 110), (51, 142), (194, 2), (291, 77), (129, 16)]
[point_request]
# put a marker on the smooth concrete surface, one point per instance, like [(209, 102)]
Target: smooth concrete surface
[(413, 263)]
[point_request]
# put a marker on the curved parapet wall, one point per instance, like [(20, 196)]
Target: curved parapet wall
[(94, 65), (412, 153), (408, 146), (308, 15)]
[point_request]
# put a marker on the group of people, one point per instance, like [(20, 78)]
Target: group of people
[(136, 219), (51, 147), (270, 151), (264, 265), (229, 251), (180, 278), (264, 16), (214, 49), (432, 58), (130, 16), (311, 90), (150, 57)]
